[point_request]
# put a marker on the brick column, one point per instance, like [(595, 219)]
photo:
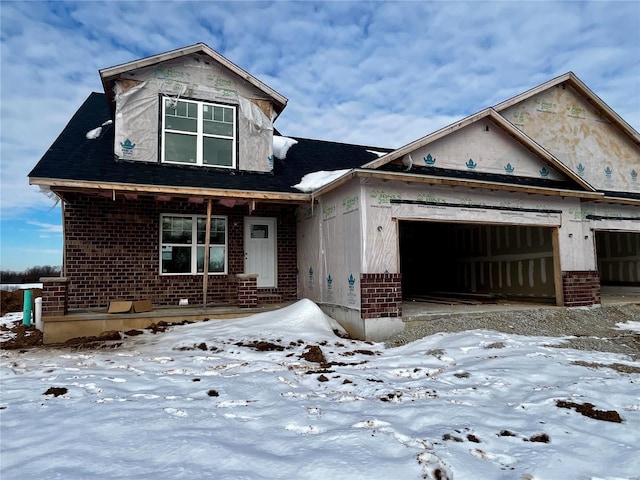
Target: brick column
[(380, 295), (247, 290), (581, 288), (55, 300)]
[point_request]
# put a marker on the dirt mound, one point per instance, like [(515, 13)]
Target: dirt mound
[(12, 301), (588, 410), (24, 337), (313, 353)]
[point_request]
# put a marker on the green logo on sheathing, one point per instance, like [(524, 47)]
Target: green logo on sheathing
[(381, 197), (329, 211), (427, 197), (304, 213), (349, 203)]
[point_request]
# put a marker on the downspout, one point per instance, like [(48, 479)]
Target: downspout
[(205, 280)]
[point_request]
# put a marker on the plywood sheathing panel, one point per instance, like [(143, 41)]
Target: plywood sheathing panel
[(581, 136)]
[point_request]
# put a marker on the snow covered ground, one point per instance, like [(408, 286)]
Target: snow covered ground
[(19, 286), (247, 399)]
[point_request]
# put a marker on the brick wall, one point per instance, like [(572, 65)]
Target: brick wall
[(54, 296), (380, 295), (581, 288), (247, 290), (112, 251)]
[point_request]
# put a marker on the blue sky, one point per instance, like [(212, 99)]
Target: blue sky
[(373, 73)]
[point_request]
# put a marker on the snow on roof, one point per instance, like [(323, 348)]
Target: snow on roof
[(315, 180), (96, 132), (379, 154), (281, 146)]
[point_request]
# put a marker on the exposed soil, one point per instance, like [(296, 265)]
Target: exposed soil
[(24, 337), (110, 339), (56, 391), (13, 301), (313, 353), (262, 346), (359, 351), (587, 410), (541, 438), (619, 367)]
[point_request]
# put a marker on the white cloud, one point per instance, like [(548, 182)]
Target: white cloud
[(373, 73), (46, 227)]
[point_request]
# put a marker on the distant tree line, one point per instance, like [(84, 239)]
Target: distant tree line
[(31, 275)]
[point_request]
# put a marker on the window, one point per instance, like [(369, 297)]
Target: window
[(198, 133), (183, 240)]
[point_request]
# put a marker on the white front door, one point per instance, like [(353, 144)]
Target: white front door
[(260, 249)]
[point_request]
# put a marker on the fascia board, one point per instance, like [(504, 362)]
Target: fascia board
[(620, 200), (173, 191), (532, 91), (437, 180), (597, 102)]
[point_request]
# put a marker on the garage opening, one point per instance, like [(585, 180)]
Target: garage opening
[(618, 256), (471, 263)]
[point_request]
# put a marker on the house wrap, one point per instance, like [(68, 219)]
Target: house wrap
[(181, 196)]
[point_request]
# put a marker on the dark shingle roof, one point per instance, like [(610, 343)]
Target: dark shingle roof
[(74, 157)]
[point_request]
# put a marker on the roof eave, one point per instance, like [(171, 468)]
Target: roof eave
[(437, 180), (341, 180), (74, 185), (621, 200)]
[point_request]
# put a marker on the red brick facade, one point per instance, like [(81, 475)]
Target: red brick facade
[(581, 288), (247, 290), (54, 296), (380, 295), (112, 250)]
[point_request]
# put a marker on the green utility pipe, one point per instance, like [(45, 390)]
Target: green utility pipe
[(26, 310)]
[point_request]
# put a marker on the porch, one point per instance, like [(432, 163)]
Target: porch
[(93, 322)]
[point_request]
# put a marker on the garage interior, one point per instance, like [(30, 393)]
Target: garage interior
[(618, 256), (464, 263)]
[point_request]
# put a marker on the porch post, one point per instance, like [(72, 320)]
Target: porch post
[(205, 279)]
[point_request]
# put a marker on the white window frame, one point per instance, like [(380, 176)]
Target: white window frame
[(194, 244), (199, 133)]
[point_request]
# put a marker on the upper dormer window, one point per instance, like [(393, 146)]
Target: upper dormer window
[(198, 133)]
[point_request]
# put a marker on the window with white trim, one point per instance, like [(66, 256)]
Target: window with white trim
[(198, 133), (182, 239)]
